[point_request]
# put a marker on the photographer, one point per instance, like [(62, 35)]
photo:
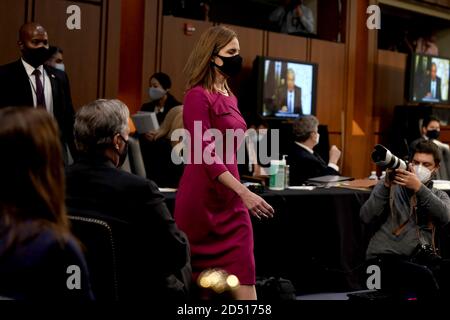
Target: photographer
[(406, 209)]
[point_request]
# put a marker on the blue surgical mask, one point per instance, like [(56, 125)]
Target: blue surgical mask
[(60, 66), (156, 93)]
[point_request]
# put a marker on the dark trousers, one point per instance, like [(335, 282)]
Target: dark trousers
[(406, 279)]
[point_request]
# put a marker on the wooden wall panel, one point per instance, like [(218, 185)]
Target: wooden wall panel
[(359, 77), (287, 46), (12, 16), (176, 48), (389, 87), (330, 57), (251, 43), (152, 26), (131, 53), (112, 49), (335, 139), (81, 47)]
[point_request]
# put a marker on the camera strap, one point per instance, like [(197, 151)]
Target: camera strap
[(413, 207), (395, 216)]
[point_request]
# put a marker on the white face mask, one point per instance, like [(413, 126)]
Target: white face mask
[(156, 93), (423, 173), (60, 66)]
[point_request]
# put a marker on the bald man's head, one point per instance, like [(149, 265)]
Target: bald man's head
[(33, 43)]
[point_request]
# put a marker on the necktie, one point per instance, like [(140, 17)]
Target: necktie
[(40, 96), (291, 102)]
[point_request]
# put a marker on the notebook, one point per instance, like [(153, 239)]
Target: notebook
[(145, 122)]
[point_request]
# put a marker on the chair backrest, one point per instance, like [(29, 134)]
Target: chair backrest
[(135, 159), (96, 236)]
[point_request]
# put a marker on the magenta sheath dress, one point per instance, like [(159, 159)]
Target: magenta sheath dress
[(213, 216)]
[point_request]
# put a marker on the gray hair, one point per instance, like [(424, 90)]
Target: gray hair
[(291, 71), (97, 122), (304, 126)]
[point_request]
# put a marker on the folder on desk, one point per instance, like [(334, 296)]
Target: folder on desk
[(329, 179), (145, 122)]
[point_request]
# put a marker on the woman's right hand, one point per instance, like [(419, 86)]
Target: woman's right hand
[(150, 135), (256, 205)]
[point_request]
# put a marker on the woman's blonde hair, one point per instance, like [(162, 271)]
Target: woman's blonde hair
[(199, 69), (172, 121)]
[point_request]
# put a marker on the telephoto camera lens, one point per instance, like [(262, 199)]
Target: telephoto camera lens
[(382, 157)]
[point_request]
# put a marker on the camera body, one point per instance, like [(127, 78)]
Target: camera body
[(425, 254), (382, 157)]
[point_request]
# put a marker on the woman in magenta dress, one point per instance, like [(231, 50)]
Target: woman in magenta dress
[(212, 206)]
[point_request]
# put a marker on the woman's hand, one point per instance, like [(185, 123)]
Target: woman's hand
[(257, 206), (150, 135)]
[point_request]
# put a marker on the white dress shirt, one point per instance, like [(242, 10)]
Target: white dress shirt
[(433, 88), (290, 101), (46, 85), (331, 165)]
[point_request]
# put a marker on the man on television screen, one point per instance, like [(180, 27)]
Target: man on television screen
[(433, 85), (290, 96)]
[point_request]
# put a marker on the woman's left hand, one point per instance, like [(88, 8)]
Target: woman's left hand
[(257, 206)]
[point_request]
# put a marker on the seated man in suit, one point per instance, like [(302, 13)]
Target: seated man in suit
[(433, 85), (31, 83), (290, 95), (96, 186), (304, 162)]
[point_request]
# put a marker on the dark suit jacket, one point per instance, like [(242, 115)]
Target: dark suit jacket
[(282, 93), (427, 88), (36, 269), (304, 165), (153, 247), (15, 91)]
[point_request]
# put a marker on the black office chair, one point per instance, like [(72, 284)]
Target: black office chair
[(135, 158), (99, 246)]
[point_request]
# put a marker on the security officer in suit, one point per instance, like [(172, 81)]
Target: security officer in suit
[(29, 82)]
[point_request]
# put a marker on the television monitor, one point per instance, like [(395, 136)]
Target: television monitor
[(286, 88), (429, 79)]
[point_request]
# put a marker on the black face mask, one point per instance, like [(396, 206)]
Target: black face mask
[(123, 154), (231, 65), (433, 134), (36, 57)]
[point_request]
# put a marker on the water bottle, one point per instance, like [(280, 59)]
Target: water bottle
[(383, 175), (373, 175), (277, 174)]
